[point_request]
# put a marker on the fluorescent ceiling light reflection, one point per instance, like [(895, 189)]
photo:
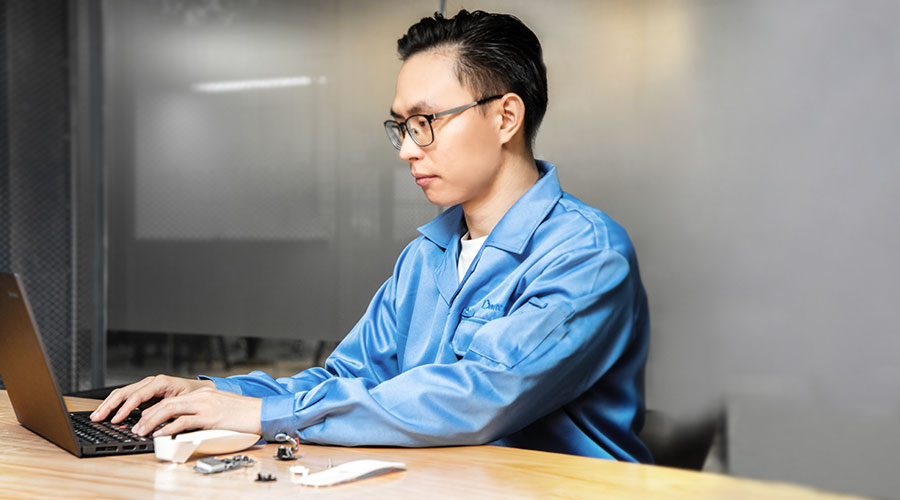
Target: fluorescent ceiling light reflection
[(266, 83)]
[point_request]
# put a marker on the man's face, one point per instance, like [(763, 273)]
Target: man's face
[(462, 163)]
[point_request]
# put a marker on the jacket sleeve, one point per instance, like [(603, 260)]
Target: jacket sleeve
[(570, 326)]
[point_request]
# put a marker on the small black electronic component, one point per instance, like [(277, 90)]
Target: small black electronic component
[(287, 452), (264, 478), (214, 465)]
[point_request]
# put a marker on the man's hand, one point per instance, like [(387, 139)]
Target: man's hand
[(204, 408), (127, 398)]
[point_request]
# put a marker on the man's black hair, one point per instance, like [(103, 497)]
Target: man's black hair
[(495, 54)]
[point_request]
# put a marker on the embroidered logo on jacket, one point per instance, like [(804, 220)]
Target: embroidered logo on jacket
[(493, 307)]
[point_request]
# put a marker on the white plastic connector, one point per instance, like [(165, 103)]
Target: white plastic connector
[(350, 471)]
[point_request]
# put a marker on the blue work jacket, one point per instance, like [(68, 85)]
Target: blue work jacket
[(541, 345)]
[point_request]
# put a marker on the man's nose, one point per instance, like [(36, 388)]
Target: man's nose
[(409, 150)]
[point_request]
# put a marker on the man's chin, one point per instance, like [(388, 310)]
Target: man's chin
[(437, 199)]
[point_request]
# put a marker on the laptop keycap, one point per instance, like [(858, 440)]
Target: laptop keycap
[(106, 431)]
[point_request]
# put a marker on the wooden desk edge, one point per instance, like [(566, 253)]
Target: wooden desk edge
[(489, 471)]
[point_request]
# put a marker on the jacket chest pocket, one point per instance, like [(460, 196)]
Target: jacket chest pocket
[(464, 334), (507, 340)]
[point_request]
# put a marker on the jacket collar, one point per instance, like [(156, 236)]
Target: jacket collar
[(516, 227)]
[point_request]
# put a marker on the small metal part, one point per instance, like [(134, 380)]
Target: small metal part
[(210, 466), (285, 453), (214, 465), (267, 478)]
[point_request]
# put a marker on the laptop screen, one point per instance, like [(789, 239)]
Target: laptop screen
[(30, 384)]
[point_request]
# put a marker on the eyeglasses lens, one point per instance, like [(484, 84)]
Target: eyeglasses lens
[(394, 133), (417, 126), (420, 130)]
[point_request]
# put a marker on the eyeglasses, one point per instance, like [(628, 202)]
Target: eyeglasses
[(419, 126)]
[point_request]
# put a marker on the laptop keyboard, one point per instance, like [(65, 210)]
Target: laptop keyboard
[(106, 431)]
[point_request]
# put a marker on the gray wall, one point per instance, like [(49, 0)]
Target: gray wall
[(751, 149)]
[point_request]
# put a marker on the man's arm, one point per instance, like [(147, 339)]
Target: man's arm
[(575, 325), (369, 351)]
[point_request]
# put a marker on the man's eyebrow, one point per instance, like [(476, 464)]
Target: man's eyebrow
[(416, 109)]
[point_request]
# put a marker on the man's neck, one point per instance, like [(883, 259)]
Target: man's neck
[(516, 177)]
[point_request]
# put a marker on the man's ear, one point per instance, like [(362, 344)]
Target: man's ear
[(511, 117)]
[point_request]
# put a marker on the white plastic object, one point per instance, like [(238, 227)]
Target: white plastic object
[(350, 471), (212, 442), (299, 469)]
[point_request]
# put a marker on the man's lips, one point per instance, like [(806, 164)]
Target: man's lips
[(422, 179)]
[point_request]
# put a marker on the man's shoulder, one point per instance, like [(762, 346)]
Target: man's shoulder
[(588, 226), (415, 248)]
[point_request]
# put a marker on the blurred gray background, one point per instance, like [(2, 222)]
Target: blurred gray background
[(231, 178), (751, 149)]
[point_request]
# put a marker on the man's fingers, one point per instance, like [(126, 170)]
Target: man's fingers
[(115, 398), (146, 393), (180, 424), (138, 396), (127, 407), (103, 410), (110, 403), (163, 411)]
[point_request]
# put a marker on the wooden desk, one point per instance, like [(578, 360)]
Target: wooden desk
[(31, 467)]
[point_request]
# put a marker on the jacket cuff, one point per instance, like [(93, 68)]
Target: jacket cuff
[(278, 416)]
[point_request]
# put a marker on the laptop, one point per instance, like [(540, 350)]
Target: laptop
[(35, 396)]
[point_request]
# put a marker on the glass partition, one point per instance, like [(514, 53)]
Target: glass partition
[(251, 189)]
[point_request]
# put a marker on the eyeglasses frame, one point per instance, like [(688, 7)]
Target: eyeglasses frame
[(404, 130)]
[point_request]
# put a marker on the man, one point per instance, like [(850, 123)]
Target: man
[(517, 318)]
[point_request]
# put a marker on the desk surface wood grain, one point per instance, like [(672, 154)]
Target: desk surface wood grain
[(31, 467)]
